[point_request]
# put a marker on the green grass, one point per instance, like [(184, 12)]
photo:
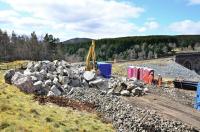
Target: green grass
[(19, 112)]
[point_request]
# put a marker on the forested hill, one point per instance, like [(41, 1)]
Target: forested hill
[(136, 47), (22, 47), (77, 40)]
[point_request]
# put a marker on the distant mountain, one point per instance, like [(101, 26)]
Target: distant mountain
[(77, 40)]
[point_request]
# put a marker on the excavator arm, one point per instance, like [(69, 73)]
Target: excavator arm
[(91, 55)]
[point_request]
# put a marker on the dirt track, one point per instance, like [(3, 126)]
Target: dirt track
[(167, 108)]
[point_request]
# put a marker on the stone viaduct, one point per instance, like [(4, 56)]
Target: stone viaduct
[(189, 60)]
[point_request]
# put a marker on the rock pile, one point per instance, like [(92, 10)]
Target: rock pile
[(126, 87), (46, 78), (59, 78)]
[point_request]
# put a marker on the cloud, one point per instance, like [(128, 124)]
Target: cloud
[(152, 25), (149, 25), (194, 2), (94, 17), (186, 27)]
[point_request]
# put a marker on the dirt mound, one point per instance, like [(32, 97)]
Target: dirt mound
[(66, 102)]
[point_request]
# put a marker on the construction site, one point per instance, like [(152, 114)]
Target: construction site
[(147, 95)]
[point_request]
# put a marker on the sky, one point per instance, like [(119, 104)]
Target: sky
[(98, 19)]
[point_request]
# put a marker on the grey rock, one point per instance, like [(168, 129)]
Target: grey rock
[(39, 76), (30, 65), (75, 82), (50, 93), (37, 66), (8, 75), (89, 75), (60, 70), (55, 90), (55, 62), (48, 83), (125, 93), (110, 91), (55, 80), (50, 76), (43, 72), (23, 82), (27, 72), (33, 78), (38, 84), (64, 80)]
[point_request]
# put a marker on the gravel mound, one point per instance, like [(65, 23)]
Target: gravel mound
[(172, 69)]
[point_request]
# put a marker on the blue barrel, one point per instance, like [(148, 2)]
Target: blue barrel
[(105, 69), (197, 98)]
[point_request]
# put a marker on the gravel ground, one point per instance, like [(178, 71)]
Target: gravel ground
[(127, 117), (184, 97)]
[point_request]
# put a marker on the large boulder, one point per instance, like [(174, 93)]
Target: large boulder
[(55, 90), (27, 72), (89, 75), (37, 66), (125, 93), (75, 82), (60, 70), (38, 84), (50, 93), (50, 76), (43, 72), (23, 82), (8, 76), (34, 79), (64, 80), (48, 83), (30, 66)]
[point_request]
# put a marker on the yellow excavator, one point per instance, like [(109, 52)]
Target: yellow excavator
[(91, 56)]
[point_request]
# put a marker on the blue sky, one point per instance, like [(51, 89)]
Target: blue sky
[(100, 18)]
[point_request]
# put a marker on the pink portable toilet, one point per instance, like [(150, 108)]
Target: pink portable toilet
[(130, 72), (136, 72), (141, 73)]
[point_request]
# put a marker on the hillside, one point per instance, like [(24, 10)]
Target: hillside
[(135, 47), (76, 40)]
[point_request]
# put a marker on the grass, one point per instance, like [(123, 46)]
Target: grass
[(19, 112)]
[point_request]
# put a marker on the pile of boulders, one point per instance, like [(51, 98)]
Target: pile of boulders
[(45, 77), (126, 87), (60, 77)]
